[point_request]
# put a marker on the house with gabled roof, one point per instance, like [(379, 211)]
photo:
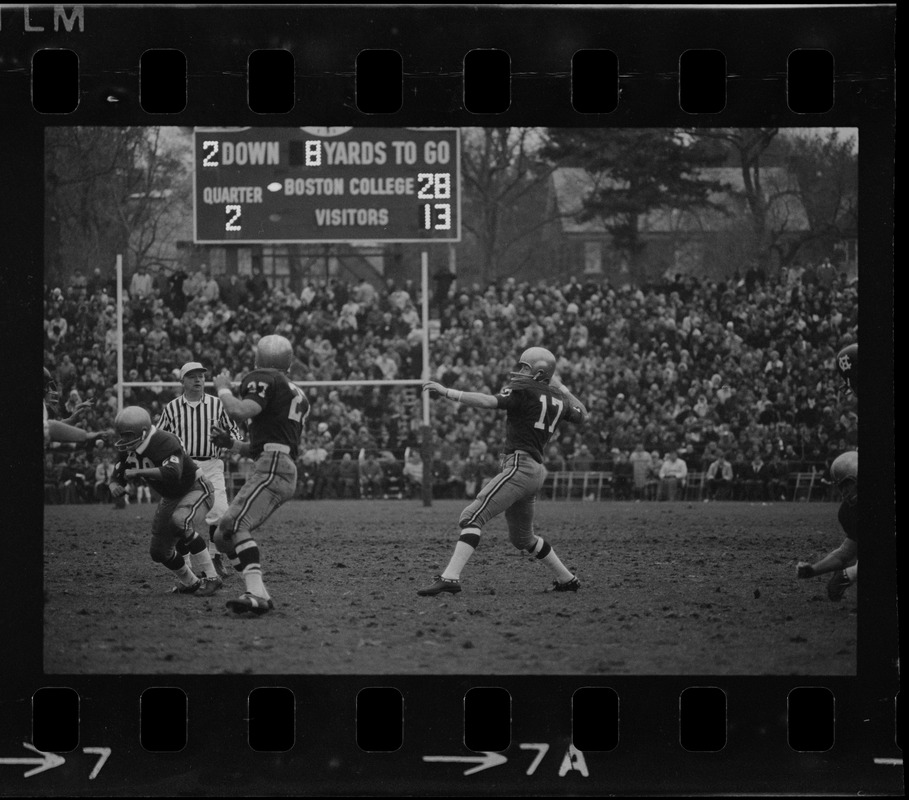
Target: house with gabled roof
[(717, 241)]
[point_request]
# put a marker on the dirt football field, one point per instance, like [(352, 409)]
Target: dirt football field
[(667, 589)]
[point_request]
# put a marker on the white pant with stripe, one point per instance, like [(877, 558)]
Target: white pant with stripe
[(213, 469)]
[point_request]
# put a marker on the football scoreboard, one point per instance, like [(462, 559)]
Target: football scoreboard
[(326, 185)]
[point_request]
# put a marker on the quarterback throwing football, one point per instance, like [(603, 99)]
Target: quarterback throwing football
[(535, 402), (276, 410)]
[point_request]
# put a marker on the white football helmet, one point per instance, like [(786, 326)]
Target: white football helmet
[(132, 424), (274, 352), (537, 363), (844, 471)]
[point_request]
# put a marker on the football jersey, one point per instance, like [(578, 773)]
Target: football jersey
[(848, 519), (164, 451), (284, 410), (535, 410)]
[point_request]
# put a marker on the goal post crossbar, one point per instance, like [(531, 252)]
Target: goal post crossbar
[(396, 382)]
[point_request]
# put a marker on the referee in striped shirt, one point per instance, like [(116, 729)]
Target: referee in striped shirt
[(190, 417)]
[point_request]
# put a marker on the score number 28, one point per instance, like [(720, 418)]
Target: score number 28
[(435, 186)]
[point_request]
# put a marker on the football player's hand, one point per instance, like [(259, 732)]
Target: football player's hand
[(116, 490), (221, 437), (130, 473), (222, 381), (803, 570), (434, 388)]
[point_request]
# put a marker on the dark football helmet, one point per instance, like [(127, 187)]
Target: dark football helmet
[(132, 425), (844, 472), (51, 392), (537, 363), (847, 368), (274, 352)]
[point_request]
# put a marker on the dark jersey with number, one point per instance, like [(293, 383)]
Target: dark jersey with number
[(284, 410), (534, 409), (848, 518), (164, 451)]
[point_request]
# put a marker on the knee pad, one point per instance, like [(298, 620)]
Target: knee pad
[(161, 553)]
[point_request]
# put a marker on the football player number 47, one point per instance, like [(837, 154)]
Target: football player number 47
[(545, 401)]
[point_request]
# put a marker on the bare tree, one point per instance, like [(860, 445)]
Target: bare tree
[(749, 145), (503, 180), (112, 190)]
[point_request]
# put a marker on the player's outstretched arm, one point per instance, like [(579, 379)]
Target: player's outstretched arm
[(472, 399), (843, 556), (61, 432)]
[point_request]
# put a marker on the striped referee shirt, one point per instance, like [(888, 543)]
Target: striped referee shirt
[(191, 423)]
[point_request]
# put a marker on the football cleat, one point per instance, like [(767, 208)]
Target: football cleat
[(837, 585), (568, 586), (251, 604), (190, 589), (441, 585), (209, 586), (803, 570)]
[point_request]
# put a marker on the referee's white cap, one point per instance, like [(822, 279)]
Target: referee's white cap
[(191, 366)]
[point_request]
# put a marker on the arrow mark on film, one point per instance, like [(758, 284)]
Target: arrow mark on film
[(485, 761), (47, 760)]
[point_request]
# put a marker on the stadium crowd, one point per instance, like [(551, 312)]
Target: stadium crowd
[(743, 367)]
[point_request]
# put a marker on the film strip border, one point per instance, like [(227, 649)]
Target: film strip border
[(543, 59), (595, 81), (567, 736), (588, 65)]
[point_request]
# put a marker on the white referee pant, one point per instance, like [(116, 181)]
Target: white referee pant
[(213, 469)]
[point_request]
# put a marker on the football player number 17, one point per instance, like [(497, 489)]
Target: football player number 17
[(545, 401)]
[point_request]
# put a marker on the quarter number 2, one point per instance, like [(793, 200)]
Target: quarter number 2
[(230, 225)]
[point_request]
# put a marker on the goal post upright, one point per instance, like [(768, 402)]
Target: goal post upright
[(119, 268)]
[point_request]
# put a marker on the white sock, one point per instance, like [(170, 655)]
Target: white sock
[(202, 561), (852, 573), (459, 559), (252, 576), (552, 561), (185, 575)]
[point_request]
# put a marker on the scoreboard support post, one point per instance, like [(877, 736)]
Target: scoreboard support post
[(426, 444)]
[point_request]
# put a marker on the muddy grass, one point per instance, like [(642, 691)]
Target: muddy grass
[(667, 589)]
